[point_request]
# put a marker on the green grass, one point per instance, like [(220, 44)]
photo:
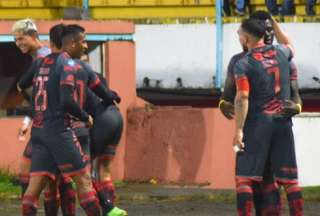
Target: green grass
[(311, 193), (8, 188)]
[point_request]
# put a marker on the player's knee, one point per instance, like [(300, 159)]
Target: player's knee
[(83, 181), (291, 188)]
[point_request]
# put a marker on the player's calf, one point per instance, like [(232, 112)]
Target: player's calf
[(271, 199), (244, 196), (24, 174), (257, 198), (67, 197), (51, 199), (51, 203), (87, 195), (295, 199), (31, 197)]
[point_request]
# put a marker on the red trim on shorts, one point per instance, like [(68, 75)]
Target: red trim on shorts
[(289, 170), (66, 179), (65, 166), (77, 172), (105, 157), (293, 189), (26, 159), (246, 178), (243, 84), (245, 189), (44, 173), (286, 181), (271, 187)]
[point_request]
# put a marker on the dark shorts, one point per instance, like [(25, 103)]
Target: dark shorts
[(269, 144), (27, 153), (106, 132), (283, 157), (57, 151)]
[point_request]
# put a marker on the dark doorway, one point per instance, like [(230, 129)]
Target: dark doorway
[(12, 66)]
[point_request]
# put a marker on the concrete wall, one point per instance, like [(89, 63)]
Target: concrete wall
[(194, 146), (181, 145), (188, 51), (306, 130), (11, 147)]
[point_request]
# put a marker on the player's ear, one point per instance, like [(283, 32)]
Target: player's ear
[(246, 39), (73, 43)]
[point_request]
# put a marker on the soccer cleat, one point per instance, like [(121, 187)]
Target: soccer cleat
[(117, 212)]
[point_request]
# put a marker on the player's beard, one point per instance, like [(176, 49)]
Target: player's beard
[(244, 48)]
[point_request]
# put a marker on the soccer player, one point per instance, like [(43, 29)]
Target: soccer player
[(86, 77), (55, 147), (262, 131), (105, 137), (262, 198), (67, 193), (27, 40)]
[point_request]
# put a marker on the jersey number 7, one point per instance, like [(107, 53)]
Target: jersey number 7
[(276, 72)]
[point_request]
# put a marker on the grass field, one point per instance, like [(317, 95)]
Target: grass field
[(10, 190)]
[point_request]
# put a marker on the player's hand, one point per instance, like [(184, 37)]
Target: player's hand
[(238, 144), (227, 109), (290, 108), (90, 121), (116, 97), (22, 133)]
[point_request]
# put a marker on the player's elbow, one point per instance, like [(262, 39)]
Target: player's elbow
[(242, 95), (19, 88)]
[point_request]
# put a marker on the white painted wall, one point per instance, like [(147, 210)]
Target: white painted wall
[(306, 132), (169, 51)]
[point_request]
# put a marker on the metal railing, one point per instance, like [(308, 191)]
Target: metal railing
[(219, 43)]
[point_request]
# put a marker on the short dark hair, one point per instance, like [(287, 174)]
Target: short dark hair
[(254, 27), (71, 32), (55, 34), (261, 15), (266, 17)]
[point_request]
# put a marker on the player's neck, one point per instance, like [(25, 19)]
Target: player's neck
[(36, 47), (256, 44)]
